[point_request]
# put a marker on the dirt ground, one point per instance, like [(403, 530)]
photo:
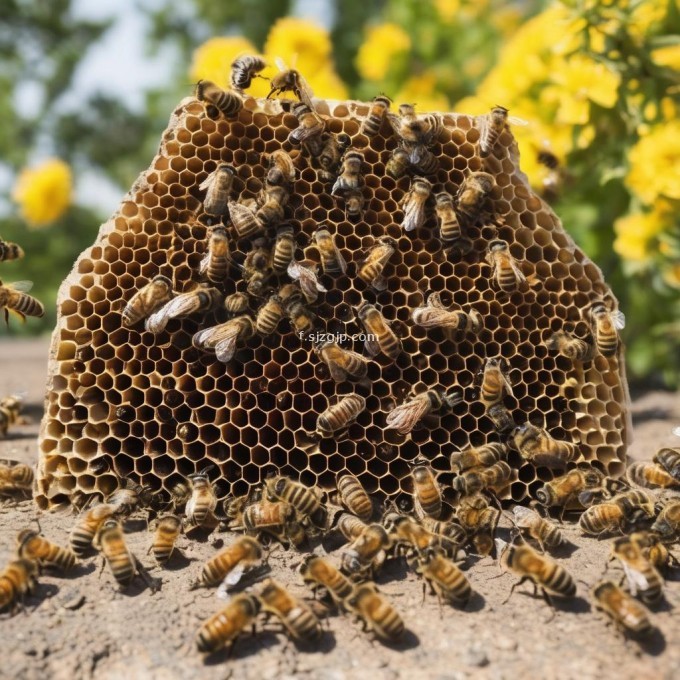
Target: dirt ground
[(83, 627)]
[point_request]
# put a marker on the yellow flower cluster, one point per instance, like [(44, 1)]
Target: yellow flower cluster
[(635, 232), (44, 192), (383, 44)]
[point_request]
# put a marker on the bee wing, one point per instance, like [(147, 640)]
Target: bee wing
[(619, 320), (157, 322), (413, 214), (203, 265), (340, 259), (523, 515), (226, 346), (207, 182), (676, 431), (519, 275), (435, 317), (308, 281), (241, 216), (394, 121), (507, 383), (404, 418), (305, 93), (337, 372), (280, 64), (20, 286), (514, 120), (637, 581)]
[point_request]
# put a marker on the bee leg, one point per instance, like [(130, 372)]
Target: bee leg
[(154, 584), (514, 585), (550, 603), (101, 570)]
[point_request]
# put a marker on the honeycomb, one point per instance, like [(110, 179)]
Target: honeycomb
[(125, 403)]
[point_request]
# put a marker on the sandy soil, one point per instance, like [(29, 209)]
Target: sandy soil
[(83, 627)]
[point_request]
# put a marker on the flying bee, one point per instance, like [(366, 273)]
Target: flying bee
[(342, 363), (307, 277), (406, 416), (569, 346), (244, 69), (147, 300), (414, 203), (373, 122), (230, 563), (350, 177), (371, 270), (217, 186), (606, 325), (536, 445), (494, 383), (217, 100), (284, 249), (301, 317), (350, 526), (478, 479), (201, 299), (168, 529), (667, 524), (605, 518), (471, 196), (310, 127), (625, 611), (110, 541), (306, 500), (449, 227), (398, 163), (203, 500), (18, 579), (564, 489), (505, 271), (540, 529), (245, 219), (269, 315), (669, 460), (426, 492), (445, 578), (319, 572), (32, 546), (83, 533), (14, 477), (354, 497), (290, 80), (223, 339), (225, 626), (330, 155), (650, 475), (215, 263), (366, 550), (376, 612), (236, 303), (298, 619), (10, 251), (332, 261), (479, 456), (14, 298), (435, 315), (281, 172), (380, 338), (643, 579), (543, 571)]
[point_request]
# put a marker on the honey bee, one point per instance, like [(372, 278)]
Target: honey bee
[(540, 529), (10, 251), (301, 317), (445, 578), (551, 578), (203, 500), (230, 563), (380, 338), (491, 128), (307, 277), (310, 128), (244, 69), (669, 460), (273, 200), (652, 549), (340, 415), (564, 489), (18, 579), (373, 122), (284, 249), (350, 177), (421, 159), (626, 612), (414, 203), (168, 528), (478, 479), (147, 300), (217, 186), (330, 155), (504, 269), (405, 417), (224, 338), (479, 521), (10, 414), (569, 346), (449, 227), (127, 497), (269, 315), (426, 492), (376, 612), (501, 418), (257, 268), (494, 383), (636, 504), (290, 80), (276, 518), (537, 446), (447, 535), (306, 500), (366, 551), (342, 363), (471, 196), (245, 219), (281, 172), (14, 298), (14, 477), (215, 263), (217, 100), (435, 315), (202, 299), (110, 541), (606, 325), (225, 626), (350, 526), (32, 546), (371, 270), (650, 475), (332, 261), (354, 497), (298, 619), (667, 524), (85, 530), (398, 163), (319, 572), (642, 577), (605, 518), (404, 530), (479, 456), (236, 303), (414, 129)]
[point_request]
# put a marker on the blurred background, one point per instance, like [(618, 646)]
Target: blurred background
[(86, 88)]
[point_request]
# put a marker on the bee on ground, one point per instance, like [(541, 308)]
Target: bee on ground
[(479, 521), (321, 574), (405, 417), (445, 578), (14, 298), (626, 612), (376, 612), (669, 460), (642, 577), (406, 532), (225, 626), (367, 551), (18, 579), (83, 533), (217, 186), (426, 492), (230, 563), (201, 505), (542, 530), (350, 526), (298, 619), (605, 518), (354, 497), (306, 500), (276, 518), (110, 541), (563, 490), (479, 479), (667, 524), (32, 546), (168, 529), (650, 475)]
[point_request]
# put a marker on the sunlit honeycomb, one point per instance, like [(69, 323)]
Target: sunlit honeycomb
[(123, 403)]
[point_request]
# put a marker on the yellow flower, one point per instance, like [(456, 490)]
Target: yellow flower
[(212, 60), (447, 9), (300, 43), (672, 275), (421, 91), (383, 43), (667, 56), (43, 193), (634, 234), (655, 163), (646, 15), (326, 83)]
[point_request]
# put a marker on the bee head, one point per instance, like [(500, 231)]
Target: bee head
[(497, 245)]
